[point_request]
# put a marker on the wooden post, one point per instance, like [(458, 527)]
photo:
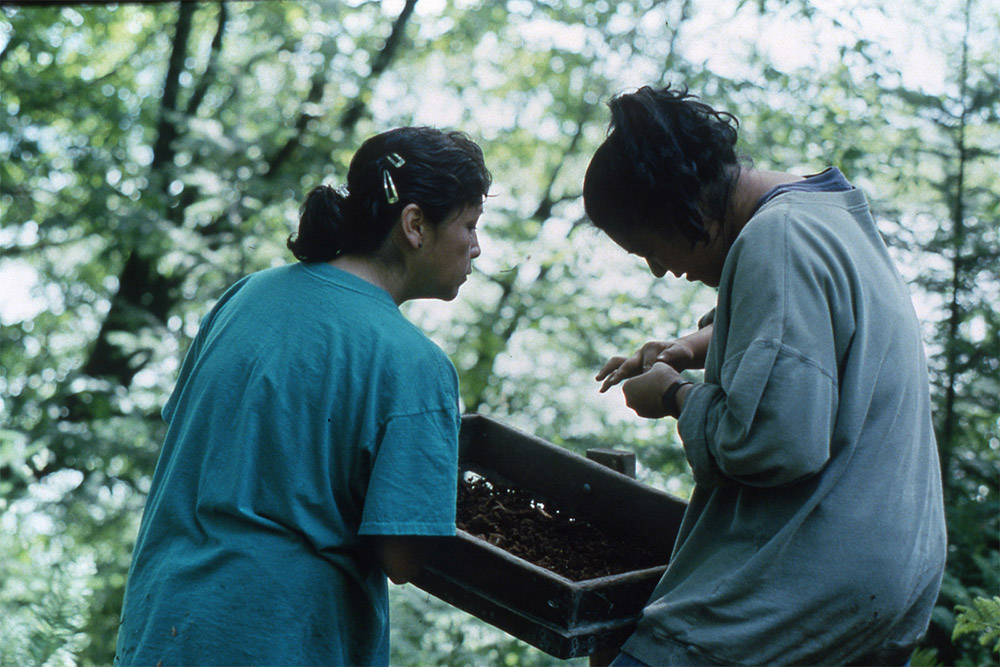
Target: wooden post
[(624, 462), (617, 459)]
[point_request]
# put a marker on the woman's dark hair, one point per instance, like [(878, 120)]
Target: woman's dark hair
[(439, 171), (667, 160)]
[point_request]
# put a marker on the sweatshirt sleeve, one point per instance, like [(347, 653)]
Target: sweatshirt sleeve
[(767, 416)]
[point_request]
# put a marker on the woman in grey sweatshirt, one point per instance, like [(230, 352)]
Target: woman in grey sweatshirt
[(815, 533)]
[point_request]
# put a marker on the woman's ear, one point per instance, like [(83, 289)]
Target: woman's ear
[(414, 225)]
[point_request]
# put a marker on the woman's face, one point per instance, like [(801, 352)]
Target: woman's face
[(449, 249), (702, 262)]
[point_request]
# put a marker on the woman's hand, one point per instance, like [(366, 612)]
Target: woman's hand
[(402, 556), (644, 393), (685, 352)]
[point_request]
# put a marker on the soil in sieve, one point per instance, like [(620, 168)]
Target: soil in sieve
[(511, 518)]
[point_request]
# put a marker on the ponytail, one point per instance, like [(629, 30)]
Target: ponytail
[(325, 225)]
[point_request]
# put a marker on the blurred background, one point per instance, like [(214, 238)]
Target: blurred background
[(153, 153)]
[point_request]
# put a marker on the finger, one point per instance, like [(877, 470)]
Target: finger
[(675, 357), (650, 353), (631, 367), (612, 365), (627, 369), (609, 383)]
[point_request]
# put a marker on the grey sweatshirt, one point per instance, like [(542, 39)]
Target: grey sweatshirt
[(815, 533)]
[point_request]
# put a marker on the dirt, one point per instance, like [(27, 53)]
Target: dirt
[(512, 519)]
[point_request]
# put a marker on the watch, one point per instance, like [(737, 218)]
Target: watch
[(669, 398)]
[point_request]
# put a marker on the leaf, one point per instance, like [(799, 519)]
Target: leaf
[(982, 618)]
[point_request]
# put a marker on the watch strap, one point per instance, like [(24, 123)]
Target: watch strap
[(669, 398)]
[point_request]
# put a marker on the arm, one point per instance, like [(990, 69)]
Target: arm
[(402, 556), (410, 500), (644, 393), (685, 352), (766, 415)]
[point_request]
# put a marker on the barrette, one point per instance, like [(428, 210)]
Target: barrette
[(391, 196), (395, 160)]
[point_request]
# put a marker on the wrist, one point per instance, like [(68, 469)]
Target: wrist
[(669, 397)]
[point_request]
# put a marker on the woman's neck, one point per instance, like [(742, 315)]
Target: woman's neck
[(751, 185), (373, 271)]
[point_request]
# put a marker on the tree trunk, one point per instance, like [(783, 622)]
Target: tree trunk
[(946, 445)]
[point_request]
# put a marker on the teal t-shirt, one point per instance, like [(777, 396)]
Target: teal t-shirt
[(309, 415)]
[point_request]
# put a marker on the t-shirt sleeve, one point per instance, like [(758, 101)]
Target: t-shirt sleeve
[(190, 359), (769, 418), (194, 351), (414, 481)]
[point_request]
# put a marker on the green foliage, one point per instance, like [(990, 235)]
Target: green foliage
[(982, 619), (44, 594), (924, 657), (426, 631)]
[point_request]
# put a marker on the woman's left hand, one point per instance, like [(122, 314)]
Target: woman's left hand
[(644, 393)]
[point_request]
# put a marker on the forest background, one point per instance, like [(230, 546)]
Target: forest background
[(154, 153)]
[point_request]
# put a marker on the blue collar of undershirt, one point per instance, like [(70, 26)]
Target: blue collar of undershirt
[(828, 180)]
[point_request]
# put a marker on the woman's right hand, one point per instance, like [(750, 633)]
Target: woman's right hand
[(682, 353)]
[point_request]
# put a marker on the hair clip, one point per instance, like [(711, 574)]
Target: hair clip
[(395, 160), (342, 191), (391, 196)]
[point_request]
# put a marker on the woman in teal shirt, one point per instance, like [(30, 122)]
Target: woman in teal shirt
[(312, 436), (815, 532)]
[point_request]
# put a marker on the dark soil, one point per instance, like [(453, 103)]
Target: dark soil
[(512, 519)]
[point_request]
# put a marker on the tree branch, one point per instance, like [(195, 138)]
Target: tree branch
[(382, 61), (166, 126), (545, 206), (486, 353), (213, 55), (313, 99), (141, 286)]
